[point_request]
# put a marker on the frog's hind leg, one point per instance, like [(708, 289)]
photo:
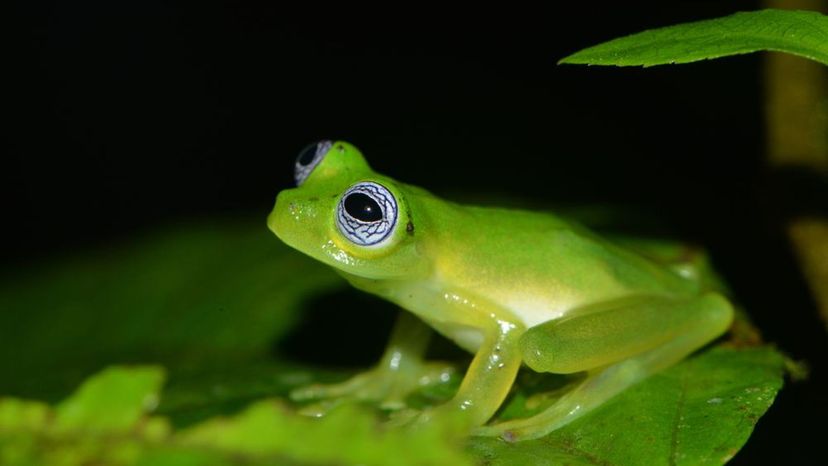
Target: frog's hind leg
[(689, 261), (618, 347)]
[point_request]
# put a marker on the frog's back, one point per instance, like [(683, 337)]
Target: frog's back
[(537, 265)]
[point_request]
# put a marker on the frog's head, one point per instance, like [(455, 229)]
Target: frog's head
[(346, 215)]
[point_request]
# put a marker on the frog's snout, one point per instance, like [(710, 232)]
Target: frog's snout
[(282, 210), (292, 216)]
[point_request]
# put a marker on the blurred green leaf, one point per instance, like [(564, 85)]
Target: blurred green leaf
[(200, 393), (803, 33), (347, 435), (208, 293), (22, 415), (106, 422), (111, 401)]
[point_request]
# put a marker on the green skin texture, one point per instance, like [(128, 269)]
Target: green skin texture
[(512, 287)]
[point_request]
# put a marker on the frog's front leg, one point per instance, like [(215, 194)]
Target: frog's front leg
[(494, 367), (401, 371), (618, 344)]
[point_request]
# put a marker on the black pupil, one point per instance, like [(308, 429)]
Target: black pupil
[(362, 207), (307, 155)]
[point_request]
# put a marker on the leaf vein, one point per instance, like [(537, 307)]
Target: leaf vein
[(680, 405), (575, 451)]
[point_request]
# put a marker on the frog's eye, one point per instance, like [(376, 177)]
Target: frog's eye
[(367, 214), (308, 159)]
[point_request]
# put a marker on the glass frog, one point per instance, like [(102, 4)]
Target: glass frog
[(513, 287)]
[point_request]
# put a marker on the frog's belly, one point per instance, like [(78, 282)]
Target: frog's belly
[(529, 311), (470, 338), (465, 337), (535, 311)]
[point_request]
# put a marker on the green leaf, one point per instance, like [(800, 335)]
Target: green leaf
[(203, 294), (106, 422), (112, 401), (803, 33), (22, 415), (699, 412), (208, 301), (200, 393), (347, 435)]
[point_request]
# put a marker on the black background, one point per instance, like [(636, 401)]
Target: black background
[(125, 116)]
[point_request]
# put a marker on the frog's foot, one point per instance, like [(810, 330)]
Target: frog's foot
[(590, 394), (404, 417), (542, 400), (555, 417), (417, 418), (382, 385)]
